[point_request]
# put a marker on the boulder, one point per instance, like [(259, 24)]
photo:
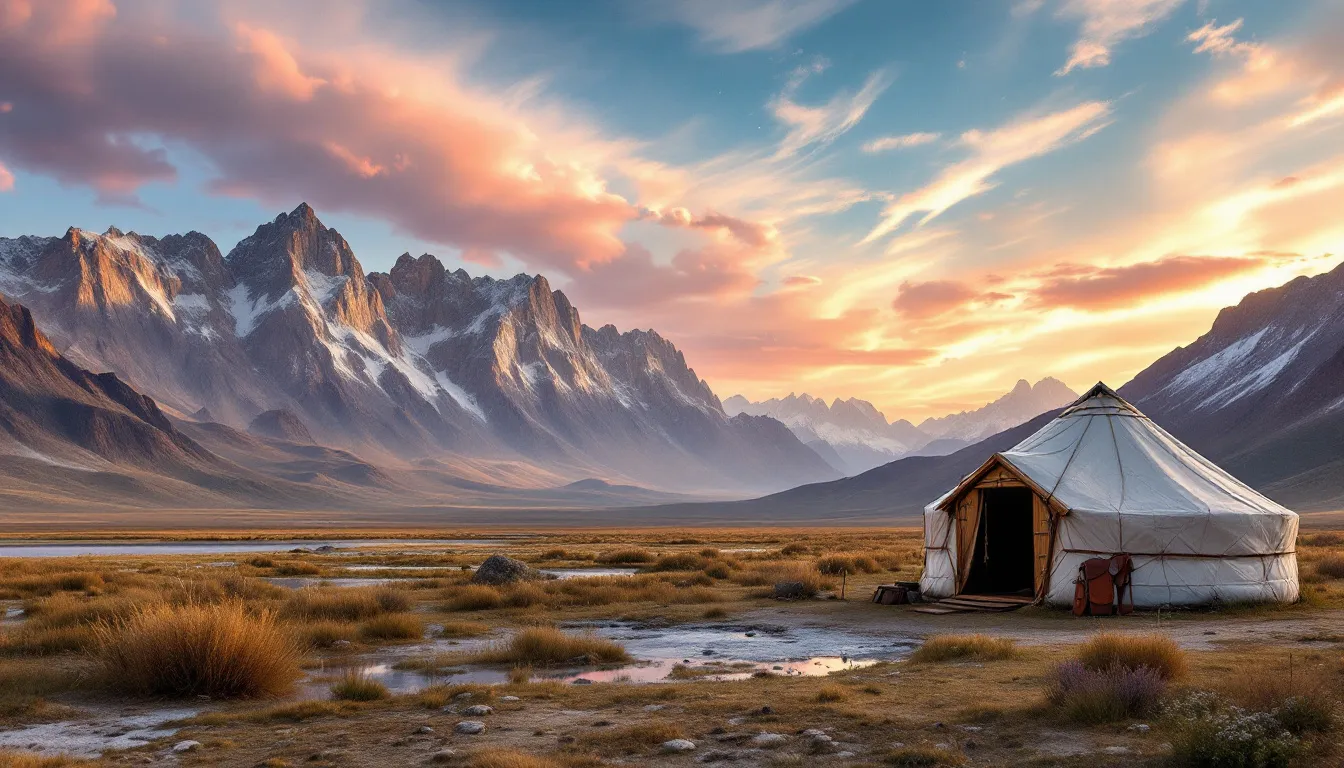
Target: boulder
[(186, 746), (477, 710), (470, 727), (790, 590), (678, 745), (498, 569)]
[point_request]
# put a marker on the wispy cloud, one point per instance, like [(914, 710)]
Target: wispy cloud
[(818, 126), (1106, 24), (734, 26), (888, 143), (6, 179), (1025, 137)]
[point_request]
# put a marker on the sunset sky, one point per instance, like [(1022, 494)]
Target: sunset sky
[(911, 202)]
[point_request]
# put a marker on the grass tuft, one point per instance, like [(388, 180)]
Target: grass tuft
[(344, 604), (831, 693), (356, 686), (626, 557), (550, 646), (964, 647), (212, 650), (1157, 652), (393, 626)]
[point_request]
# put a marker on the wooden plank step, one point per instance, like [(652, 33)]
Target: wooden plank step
[(979, 604), (1016, 599), (935, 610)]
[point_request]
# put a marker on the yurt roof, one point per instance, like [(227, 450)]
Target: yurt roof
[(1101, 454)]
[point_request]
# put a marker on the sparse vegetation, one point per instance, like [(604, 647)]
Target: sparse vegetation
[(344, 604), (392, 626), (1156, 652), (834, 565), (626, 557), (546, 646), (355, 686), (1087, 695), (964, 648)]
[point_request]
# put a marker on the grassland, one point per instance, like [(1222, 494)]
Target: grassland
[(1036, 687)]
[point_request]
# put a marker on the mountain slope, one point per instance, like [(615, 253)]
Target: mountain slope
[(1263, 391), (1023, 402)]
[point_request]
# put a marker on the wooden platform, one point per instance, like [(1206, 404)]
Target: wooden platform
[(975, 603)]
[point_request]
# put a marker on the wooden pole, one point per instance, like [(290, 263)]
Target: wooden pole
[(844, 579)]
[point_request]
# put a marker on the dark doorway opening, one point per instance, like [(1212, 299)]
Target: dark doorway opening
[(1005, 554)]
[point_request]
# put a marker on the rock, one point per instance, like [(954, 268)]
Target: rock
[(498, 569), (424, 729), (1116, 750), (736, 720), (717, 755), (1140, 727), (766, 710), (341, 644), (777, 668), (476, 710), (509, 698), (582, 681), (790, 590), (325, 548), (751, 634), (655, 707), (470, 727), (812, 733), (843, 755), (678, 745), (186, 746), (769, 740), (443, 756), (707, 652)]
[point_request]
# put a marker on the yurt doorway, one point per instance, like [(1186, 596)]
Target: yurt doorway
[(1005, 556)]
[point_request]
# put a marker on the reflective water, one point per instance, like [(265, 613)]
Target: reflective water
[(67, 549), (90, 737), (663, 654)]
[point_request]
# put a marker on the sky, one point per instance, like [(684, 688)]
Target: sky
[(914, 203)]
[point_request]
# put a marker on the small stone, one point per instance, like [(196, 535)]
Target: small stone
[(707, 652), (443, 756), (843, 755), (736, 720), (751, 634), (509, 698), (341, 644), (942, 745), (769, 740), (582, 681), (463, 695), (424, 729), (1140, 727), (476, 710), (777, 667), (972, 728), (470, 727), (767, 711), (1116, 750), (813, 733), (678, 745), (655, 708), (186, 746)]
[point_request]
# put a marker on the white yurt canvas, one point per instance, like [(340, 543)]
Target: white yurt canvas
[(1102, 479)]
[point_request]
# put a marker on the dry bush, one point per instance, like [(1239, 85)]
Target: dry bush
[(1156, 652), (297, 568), (626, 557), (393, 626), (213, 650), (549, 646), (554, 554), (832, 693), (709, 553), (715, 613), (718, 571), (261, 562), (41, 641), (769, 574), (463, 629), (356, 686), (474, 597), (964, 647), (794, 549), (1331, 566), (524, 595), (1106, 695), (324, 634), (22, 582), (681, 561), (1303, 702), (1326, 539), (520, 675), (344, 604)]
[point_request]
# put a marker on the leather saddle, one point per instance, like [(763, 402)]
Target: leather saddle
[(1104, 587)]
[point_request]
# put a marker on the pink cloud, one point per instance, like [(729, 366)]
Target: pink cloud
[(801, 281), (1111, 287), (6, 179), (923, 300)]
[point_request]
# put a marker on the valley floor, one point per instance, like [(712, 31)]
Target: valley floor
[(663, 635)]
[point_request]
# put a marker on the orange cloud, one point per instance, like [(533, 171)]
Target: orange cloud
[(6, 179), (1095, 288), (921, 300)]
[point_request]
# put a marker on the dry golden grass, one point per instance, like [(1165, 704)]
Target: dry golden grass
[(392, 626), (216, 650), (509, 758), (464, 629), (354, 686), (474, 597), (345, 604), (632, 739), (834, 565), (1157, 652), (592, 591), (296, 568), (11, 759), (768, 574), (632, 556), (324, 634), (831, 693), (964, 648), (1305, 700), (1331, 566), (545, 646)]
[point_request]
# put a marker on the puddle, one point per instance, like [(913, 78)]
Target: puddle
[(299, 582), (35, 549), (90, 738), (736, 653), (583, 573)]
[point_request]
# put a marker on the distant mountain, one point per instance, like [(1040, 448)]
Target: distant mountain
[(1262, 392), (851, 432), (1022, 403), (287, 335)]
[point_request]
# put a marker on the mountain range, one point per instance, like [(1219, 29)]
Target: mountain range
[(288, 337), (855, 437)]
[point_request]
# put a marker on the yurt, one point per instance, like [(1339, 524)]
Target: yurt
[(1101, 480)]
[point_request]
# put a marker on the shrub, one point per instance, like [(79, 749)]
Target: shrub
[(297, 568), (547, 645), (626, 557), (970, 647), (356, 686), (1209, 733), (261, 562), (1332, 566), (796, 548), (709, 553), (718, 571), (524, 595), (1087, 695), (634, 738), (770, 574), (216, 650), (715, 613), (555, 554), (344, 604), (1158, 653), (682, 561), (1302, 703), (474, 597), (393, 626)]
